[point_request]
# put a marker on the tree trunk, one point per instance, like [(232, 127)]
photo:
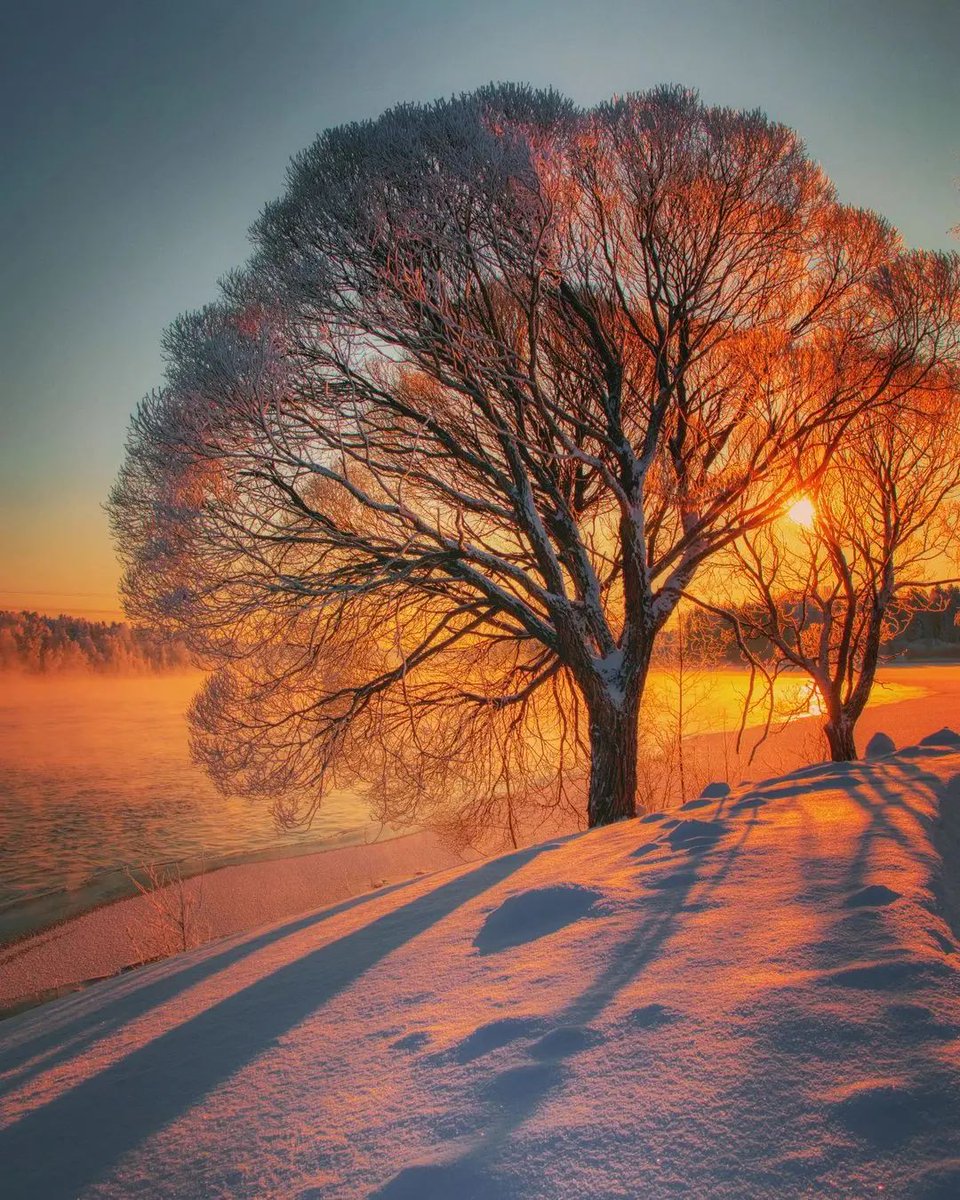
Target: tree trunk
[(613, 762), (839, 731)]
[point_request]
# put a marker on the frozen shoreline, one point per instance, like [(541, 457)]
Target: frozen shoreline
[(754, 995), (260, 891), (22, 919), (115, 936)]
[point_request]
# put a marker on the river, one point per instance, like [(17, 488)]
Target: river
[(96, 777)]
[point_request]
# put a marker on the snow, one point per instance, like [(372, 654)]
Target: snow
[(247, 895), (234, 898), (755, 997)]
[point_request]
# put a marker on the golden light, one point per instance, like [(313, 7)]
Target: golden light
[(802, 512)]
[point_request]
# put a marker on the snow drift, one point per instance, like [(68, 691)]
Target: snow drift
[(756, 995)]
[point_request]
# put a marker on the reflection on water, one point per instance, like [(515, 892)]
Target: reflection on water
[(711, 700), (95, 773)]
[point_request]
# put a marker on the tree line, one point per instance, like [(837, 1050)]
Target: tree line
[(925, 627), (931, 629), (42, 645)]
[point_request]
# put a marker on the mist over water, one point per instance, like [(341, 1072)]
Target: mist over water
[(95, 775)]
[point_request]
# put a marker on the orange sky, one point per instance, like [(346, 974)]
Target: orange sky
[(60, 560)]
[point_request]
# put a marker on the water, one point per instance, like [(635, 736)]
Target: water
[(95, 775)]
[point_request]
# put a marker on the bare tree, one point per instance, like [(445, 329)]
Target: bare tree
[(825, 596), (172, 917), (500, 377)]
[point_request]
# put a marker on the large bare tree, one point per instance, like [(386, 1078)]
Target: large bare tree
[(499, 378)]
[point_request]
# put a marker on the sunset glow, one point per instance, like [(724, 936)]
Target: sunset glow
[(480, 600), (802, 512)]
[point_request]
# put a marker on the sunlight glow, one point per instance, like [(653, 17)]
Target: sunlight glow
[(802, 512), (813, 702)]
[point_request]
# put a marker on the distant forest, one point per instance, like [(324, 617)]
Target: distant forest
[(929, 629), (932, 631), (42, 645)]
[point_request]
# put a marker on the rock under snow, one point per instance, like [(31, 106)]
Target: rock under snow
[(880, 745)]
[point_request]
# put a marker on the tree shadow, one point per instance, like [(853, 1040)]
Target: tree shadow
[(862, 946), (880, 796), (73, 1140), (883, 797), (516, 1093), (69, 1027), (886, 798), (946, 840)]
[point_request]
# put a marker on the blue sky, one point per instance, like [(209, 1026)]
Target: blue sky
[(140, 140)]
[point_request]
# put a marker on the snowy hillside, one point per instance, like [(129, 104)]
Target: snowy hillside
[(756, 996)]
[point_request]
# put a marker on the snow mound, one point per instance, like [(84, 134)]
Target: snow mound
[(534, 914), (440, 1182), (694, 835), (761, 1004), (649, 1016), (494, 1035), (888, 1112), (943, 737), (715, 791), (873, 895), (565, 1042), (880, 745)]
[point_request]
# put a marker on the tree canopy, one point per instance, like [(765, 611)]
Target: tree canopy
[(500, 377)]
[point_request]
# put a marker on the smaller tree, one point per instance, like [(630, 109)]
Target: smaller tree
[(825, 587), (172, 919)]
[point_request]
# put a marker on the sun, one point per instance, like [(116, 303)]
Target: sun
[(802, 512)]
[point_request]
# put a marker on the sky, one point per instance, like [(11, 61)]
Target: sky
[(140, 141)]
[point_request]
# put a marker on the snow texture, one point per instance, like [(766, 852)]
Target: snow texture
[(758, 997)]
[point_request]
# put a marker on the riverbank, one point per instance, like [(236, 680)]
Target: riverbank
[(114, 937), (247, 895), (754, 995), (908, 702)]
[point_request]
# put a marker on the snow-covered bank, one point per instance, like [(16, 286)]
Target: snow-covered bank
[(109, 939), (245, 895), (756, 996)]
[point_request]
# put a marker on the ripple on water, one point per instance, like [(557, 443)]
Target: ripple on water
[(95, 773)]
